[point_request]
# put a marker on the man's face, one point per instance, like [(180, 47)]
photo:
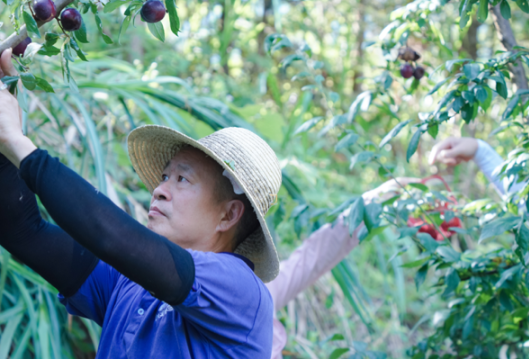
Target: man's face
[(184, 208)]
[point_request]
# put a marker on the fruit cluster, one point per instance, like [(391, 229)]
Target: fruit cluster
[(444, 228), (408, 70)]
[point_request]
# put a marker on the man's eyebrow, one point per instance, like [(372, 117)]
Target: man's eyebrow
[(183, 167)]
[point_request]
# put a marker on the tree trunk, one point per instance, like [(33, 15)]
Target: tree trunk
[(267, 12), (14, 39), (470, 41), (358, 59), (506, 36)]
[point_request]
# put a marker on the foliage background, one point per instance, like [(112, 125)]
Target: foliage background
[(217, 73)]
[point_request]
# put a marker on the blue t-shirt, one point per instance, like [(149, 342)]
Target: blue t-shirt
[(227, 314)]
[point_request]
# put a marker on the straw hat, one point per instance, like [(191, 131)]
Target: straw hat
[(246, 157)]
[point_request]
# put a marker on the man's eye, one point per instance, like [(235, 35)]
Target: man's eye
[(165, 178), (181, 179)]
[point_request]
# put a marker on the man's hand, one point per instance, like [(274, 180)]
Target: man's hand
[(13, 144), (454, 150), (388, 189)]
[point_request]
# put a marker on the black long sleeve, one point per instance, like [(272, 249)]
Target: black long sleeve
[(160, 266), (45, 248)]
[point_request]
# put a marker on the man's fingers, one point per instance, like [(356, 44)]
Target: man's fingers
[(6, 64)]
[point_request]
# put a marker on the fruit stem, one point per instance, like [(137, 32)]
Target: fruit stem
[(60, 25), (31, 10), (18, 61)]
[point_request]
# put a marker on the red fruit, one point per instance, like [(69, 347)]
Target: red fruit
[(418, 73), (406, 71), (430, 229), (44, 10), (152, 11), (425, 228), (21, 47), (71, 19), (454, 222)]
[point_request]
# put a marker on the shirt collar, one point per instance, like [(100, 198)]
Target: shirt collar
[(244, 259)]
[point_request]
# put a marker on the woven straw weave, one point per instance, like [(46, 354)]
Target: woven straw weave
[(255, 168)]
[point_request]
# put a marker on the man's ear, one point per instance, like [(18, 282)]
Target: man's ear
[(233, 212)]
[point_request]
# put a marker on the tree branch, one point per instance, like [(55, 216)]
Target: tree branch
[(506, 36), (14, 39)]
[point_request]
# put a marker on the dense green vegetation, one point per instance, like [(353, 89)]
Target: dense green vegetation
[(322, 83)]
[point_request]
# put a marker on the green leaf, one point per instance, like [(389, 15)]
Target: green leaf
[(157, 30), (486, 104), (467, 112), (394, 132), (420, 276), (524, 5), (505, 10), (31, 24), (99, 24), (414, 143), (8, 333), (307, 125), (124, 26), (288, 60), (433, 130), (372, 215), (113, 5), (28, 79), (448, 254), (338, 353), (510, 107), (347, 141), (77, 49), (416, 263), (356, 214), (44, 85), (360, 157), (51, 38), (49, 51), (466, 6), (429, 244), (419, 186), (335, 337), (483, 11), (501, 86), (480, 93), (498, 226), (174, 21), (437, 86), (451, 281), (81, 33), (471, 71), (508, 274)]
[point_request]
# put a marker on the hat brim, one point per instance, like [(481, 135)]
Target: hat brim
[(151, 147)]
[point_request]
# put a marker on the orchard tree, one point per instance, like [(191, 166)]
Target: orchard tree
[(485, 289)]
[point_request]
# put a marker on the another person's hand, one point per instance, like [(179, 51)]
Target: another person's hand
[(454, 150), (389, 188), (13, 144)]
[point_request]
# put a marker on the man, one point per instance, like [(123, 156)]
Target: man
[(190, 285)]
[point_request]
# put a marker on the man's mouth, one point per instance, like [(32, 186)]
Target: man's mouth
[(155, 211)]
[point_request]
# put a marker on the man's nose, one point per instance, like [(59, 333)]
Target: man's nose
[(162, 193)]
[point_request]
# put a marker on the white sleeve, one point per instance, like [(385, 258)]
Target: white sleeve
[(488, 160)]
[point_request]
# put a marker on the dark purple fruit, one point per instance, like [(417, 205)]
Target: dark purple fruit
[(21, 47), (406, 71), (71, 19), (418, 73), (44, 10), (152, 11)]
